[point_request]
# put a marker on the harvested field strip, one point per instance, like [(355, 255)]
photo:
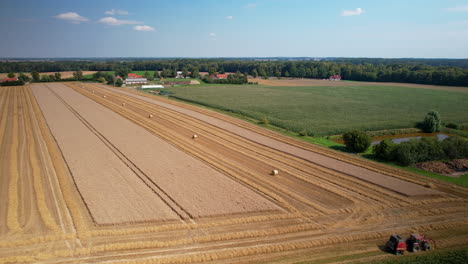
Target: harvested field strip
[(227, 251), (220, 223), (63, 216), (66, 127), (3, 156), (13, 203), (169, 115), (67, 188), (176, 208), (42, 206), (204, 183)]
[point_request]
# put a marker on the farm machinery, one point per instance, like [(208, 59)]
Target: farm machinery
[(414, 243)]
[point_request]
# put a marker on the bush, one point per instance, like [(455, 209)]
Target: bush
[(455, 147), (357, 141), (264, 121), (431, 122), (384, 150), (404, 154), (452, 126), (303, 133)]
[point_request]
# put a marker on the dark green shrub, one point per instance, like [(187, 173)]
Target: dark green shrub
[(452, 126), (431, 122), (455, 147), (384, 150), (404, 154), (303, 133), (357, 141), (264, 121)]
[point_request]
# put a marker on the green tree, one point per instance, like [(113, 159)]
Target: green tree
[(11, 75), (156, 75), (254, 73), (102, 80), (24, 78), (57, 76), (78, 75), (195, 73), (384, 150), (36, 77), (118, 82), (212, 71), (357, 141), (46, 78), (147, 75), (221, 70), (431, 122), (122, 71), (185, 72)]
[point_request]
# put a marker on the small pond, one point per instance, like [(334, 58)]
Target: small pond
[(403, 137)]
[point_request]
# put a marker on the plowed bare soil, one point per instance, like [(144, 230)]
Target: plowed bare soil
[(95, 174)]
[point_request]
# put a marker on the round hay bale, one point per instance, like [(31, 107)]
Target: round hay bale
[(274, 172), (123, 104), (93, 91), (150, 115), (104, 96), (194, 136), (430, 185)]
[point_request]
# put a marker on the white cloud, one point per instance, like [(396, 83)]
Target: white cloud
[(72, 17), (250, 6), (229, 17), (212, 34), (461, 8), (143, 28), (113, 12), (356, 12), (111, 21)]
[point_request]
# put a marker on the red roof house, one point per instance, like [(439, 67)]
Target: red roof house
[(335, 78), (221, 76), (9, 80), (134, 75)]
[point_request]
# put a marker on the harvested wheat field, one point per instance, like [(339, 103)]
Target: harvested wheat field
[(96, 174), (64, 74)]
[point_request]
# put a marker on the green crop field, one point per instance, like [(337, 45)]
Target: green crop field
[(330, 110)]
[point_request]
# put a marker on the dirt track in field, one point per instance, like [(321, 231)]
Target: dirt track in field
[(231, 210), (319, 82)]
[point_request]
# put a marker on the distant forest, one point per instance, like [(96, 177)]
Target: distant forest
[(423, 71)]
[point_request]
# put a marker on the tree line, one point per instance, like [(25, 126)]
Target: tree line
[(349, 70)]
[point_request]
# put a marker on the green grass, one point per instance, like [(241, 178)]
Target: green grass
[(330, 110), (462, 180)]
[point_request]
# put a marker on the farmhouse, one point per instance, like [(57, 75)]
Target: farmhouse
[(180, 75), (335, 78), (8, 80), (135, 79), (221, 76)]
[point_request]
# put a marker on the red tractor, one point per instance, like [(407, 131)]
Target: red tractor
[(396, 245), (417, 242)]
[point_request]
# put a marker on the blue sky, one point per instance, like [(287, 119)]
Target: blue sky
[(223, 28)]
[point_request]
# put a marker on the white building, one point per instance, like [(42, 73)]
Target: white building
[(136, 81), (152, 86)]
